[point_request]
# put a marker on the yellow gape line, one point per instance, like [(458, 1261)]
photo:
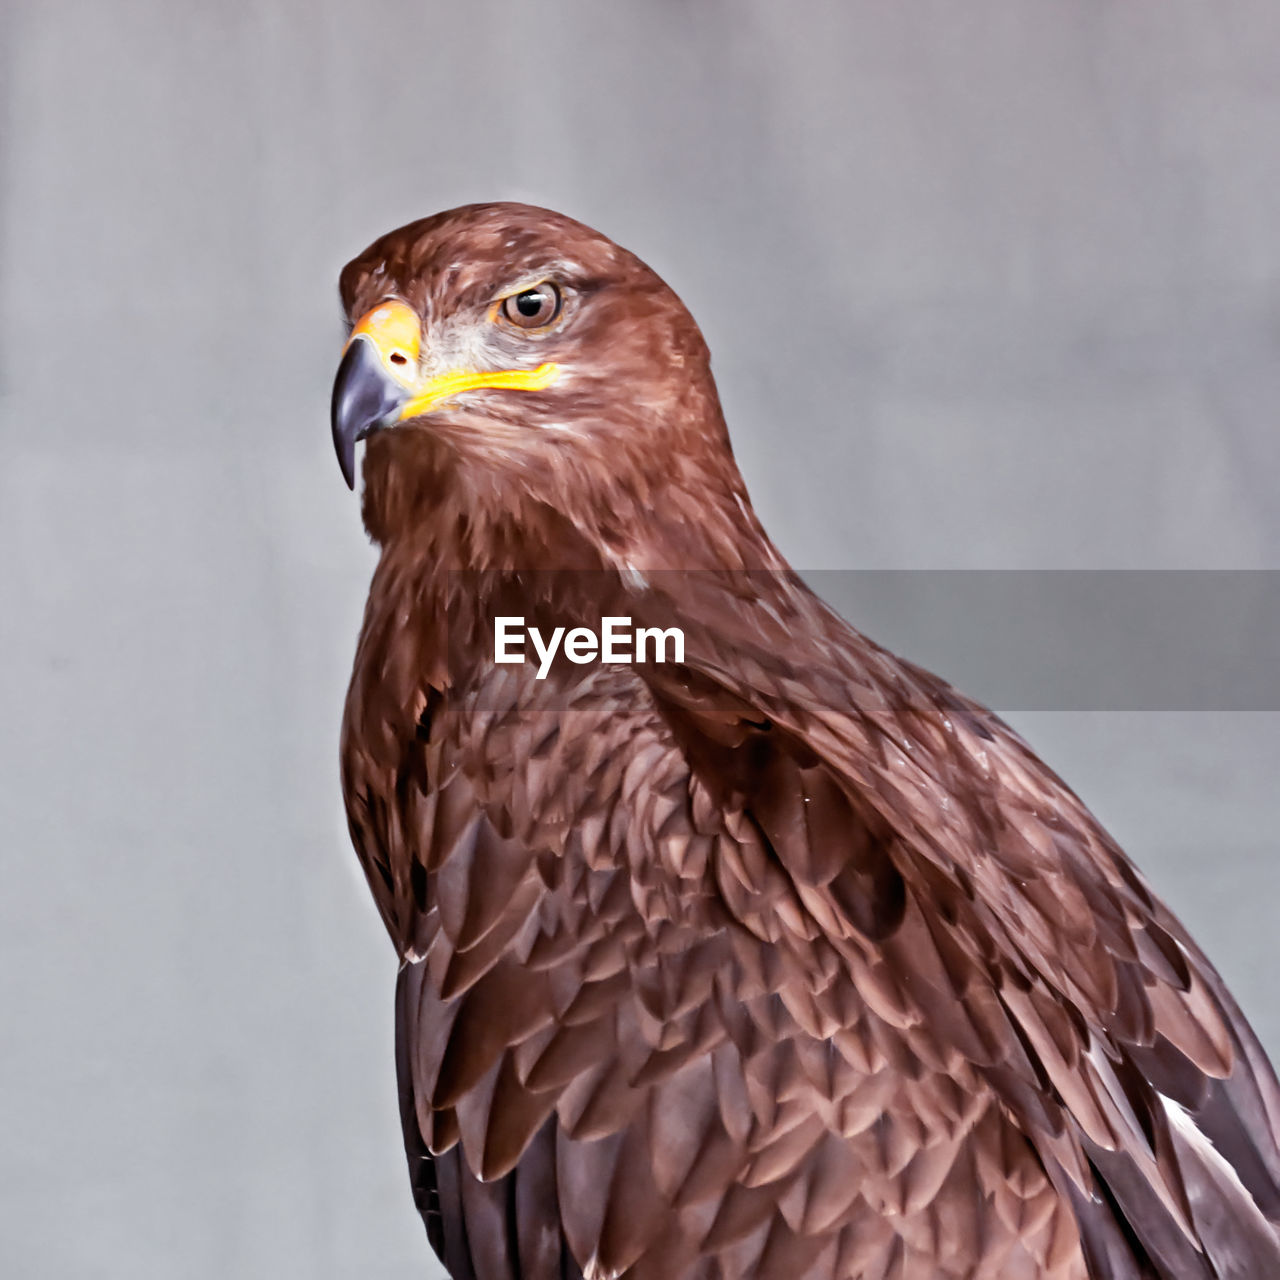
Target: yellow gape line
[(456, 381)]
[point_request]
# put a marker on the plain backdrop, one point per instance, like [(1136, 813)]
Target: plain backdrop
[(989, 286)]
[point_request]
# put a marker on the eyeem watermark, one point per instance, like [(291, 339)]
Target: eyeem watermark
[(616, 642)]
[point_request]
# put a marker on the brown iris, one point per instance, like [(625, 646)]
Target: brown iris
[(534, 307)]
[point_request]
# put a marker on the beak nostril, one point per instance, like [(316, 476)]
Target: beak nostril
[(398, 357), (366, 397)]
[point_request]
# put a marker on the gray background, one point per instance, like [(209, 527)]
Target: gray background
[(990, 285)]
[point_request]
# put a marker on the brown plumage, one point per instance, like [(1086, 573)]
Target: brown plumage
[(784, 962)]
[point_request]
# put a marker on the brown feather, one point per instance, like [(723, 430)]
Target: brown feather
[(785, 962)]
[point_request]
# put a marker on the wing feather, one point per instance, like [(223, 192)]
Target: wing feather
[(919, 828), (802, 963)]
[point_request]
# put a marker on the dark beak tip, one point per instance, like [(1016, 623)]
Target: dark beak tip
[(364, 398), (346, 450)]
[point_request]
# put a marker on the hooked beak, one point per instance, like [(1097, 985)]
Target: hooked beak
[(380, 382), (364, 399)]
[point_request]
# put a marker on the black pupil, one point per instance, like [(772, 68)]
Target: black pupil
[(530, 302)]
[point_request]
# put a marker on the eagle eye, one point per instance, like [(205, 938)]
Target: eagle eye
[(534, 307)]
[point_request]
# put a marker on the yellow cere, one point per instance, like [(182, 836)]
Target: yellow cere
[(396, 333)]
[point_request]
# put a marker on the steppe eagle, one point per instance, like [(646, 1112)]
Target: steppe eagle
[(780, 961)]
